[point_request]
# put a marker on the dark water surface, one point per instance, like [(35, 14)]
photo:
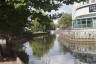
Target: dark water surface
[(49, 50)]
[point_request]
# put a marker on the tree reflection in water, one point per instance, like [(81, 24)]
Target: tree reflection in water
[(46, 50), (41, 45)]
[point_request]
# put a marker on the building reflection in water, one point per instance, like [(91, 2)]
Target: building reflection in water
[(84, 52)]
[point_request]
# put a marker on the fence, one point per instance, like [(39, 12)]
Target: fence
[(80, 35)]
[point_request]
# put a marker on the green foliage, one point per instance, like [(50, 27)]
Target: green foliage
[(65, 20), (39, 22), (14, 13), (12, 18), (46, 5), (34, 26)]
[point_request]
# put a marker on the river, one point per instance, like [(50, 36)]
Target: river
[(48, 49)]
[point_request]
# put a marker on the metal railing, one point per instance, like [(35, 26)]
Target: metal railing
[(82, 34)]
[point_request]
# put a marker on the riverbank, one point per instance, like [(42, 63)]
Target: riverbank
[(36, 34)]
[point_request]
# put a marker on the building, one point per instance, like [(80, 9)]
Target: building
[(84, 14)]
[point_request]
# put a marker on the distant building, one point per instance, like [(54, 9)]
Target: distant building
[(84, 14)]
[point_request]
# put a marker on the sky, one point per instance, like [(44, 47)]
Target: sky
[(64, 8)]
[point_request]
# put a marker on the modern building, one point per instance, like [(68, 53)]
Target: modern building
[(84, 14)]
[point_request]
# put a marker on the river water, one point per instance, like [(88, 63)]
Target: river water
[(49, 50)]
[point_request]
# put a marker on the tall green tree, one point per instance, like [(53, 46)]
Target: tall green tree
[(39, 22), (13, 16), (65, 20), (14, 13)]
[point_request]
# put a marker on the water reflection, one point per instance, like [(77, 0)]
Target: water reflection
[(41, 45), (84, 52), (47, 50), (50, 49)]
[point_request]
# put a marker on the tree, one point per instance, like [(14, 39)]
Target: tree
[(39, 22), (41, 4), (10, 10), (65, 20)]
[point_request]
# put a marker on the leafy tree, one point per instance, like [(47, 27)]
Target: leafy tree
[(13, 19), (34, 26), (39, 22), (65, 20), (14, 13), (41, 4)]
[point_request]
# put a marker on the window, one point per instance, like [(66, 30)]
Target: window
[(83, 21), (89, 22), (78, 21)]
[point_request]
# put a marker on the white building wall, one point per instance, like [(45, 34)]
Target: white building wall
[(74, 10), (80, 9)]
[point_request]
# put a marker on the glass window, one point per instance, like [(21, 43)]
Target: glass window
[(89, 21), (78, 21), (94, 18), (83, 21)]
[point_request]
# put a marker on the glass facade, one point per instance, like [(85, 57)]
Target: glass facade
[(84, 23)]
